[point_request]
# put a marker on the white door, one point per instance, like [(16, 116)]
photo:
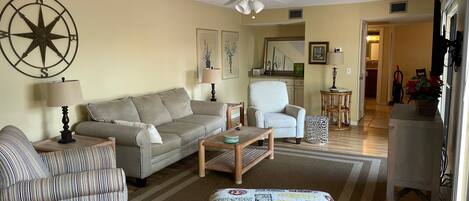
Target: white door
[(362, 73)]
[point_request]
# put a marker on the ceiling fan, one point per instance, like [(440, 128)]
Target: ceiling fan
[(247, 6)]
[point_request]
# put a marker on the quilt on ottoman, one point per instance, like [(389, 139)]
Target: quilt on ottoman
[(269, 195)]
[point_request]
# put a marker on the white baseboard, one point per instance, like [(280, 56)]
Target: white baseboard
[(354, 123)]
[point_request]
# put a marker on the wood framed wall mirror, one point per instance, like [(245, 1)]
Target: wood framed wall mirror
[(282, 54)]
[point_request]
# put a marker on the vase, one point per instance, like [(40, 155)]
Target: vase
[(427, 107)]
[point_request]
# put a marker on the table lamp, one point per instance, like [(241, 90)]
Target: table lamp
[(335, 58), (63, 94), (212, 76)]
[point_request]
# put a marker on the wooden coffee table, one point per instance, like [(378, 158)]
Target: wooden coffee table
[(238, 158)]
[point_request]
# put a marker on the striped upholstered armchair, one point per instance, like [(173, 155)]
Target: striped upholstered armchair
[(76, 174)]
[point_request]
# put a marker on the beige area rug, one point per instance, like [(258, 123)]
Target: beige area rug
[(345, 177)]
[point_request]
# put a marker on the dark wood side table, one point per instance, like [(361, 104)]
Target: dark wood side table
[(336, 106), (51, 145), (229, 112)]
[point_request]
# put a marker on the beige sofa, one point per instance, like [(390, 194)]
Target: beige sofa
[(179, 120)]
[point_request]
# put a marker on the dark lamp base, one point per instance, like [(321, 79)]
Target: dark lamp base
[(66, 137), (68, 141)]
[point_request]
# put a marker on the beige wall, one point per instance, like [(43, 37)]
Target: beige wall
[(388, 69), (341, 26), (413, 48), (125, 49), (342, 30), (262, 32)]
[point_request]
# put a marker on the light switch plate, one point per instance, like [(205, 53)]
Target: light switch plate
[(349, 71)]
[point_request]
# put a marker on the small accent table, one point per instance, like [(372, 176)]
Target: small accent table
[(336, 106), (51, 145), (238, 158), (229, 112)]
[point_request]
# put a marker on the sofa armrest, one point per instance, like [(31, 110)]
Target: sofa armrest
[(255, 117), (209, 108), (79, 159), (125, 135), (299, 113), (67, 186)]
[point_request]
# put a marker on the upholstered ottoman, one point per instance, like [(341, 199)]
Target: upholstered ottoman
[(270, 195), (317, 129)]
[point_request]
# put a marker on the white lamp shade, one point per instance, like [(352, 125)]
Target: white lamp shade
[(243, 7), (211, 75), (335, 58), (64, 93), (257, 6)]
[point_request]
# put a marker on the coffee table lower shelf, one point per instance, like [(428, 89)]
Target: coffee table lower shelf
[(226, 161)]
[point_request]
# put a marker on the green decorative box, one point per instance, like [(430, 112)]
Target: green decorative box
[(299, 69)]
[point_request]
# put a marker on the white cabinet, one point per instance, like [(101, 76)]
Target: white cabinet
[(294, 87), (299, 97), (291, 94), (414, 151)]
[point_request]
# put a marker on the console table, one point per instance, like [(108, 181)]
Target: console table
[(414, 151)]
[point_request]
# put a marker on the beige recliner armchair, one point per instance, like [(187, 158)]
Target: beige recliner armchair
[(269, 108)]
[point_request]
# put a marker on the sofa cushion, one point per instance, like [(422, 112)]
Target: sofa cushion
[(18, 159), (279, 120), (150, 129), (121, 109), (188, 132), (178, 102), (170, 142), (209, 122), (151, 109)]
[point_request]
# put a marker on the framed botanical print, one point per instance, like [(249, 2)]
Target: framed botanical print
[(207, 50), (318, 52), (230, 54)]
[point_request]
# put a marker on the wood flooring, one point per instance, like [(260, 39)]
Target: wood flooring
[(369, 138)]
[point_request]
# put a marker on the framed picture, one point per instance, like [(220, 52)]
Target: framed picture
[(230, 54), (318, 52), (207, 50)]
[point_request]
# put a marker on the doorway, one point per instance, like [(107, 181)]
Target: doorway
[(374, 66), (375, 113), (374, 46)]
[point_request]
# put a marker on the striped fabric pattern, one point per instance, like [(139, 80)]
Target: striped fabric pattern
[(91, 185), (80, 160), (106, 196), (18, 159)]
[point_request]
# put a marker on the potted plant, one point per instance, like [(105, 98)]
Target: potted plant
[(426, 93)]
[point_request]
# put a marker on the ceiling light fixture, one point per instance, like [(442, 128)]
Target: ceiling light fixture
[(247, 7)]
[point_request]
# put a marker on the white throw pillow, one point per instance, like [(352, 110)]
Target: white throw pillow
[(150, 128)]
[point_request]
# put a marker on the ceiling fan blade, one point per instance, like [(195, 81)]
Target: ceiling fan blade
[(229, 2), (283, 1)]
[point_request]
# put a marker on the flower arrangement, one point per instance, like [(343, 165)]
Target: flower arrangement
[(426, 93), (421, 88)]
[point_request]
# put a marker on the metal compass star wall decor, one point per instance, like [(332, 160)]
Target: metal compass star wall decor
[(38, 37)]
